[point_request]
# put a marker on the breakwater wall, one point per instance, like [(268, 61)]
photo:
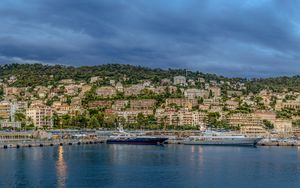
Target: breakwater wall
[(297, 144), (5, 144)]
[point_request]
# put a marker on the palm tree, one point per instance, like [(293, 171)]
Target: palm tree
[(20, 116), (164, 119)]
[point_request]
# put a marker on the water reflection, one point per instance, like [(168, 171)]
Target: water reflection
[(197, 156), (61, 168), (135, 166)]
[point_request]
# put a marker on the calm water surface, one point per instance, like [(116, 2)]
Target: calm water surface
[(150, 166)]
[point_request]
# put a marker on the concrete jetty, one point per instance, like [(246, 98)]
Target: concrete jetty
[(278, 144), (4, 144)]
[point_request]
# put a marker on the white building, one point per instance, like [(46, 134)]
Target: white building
[(179, 80), (119, 87), (9, 124), (94, 79), (192, 93), (216, 91)]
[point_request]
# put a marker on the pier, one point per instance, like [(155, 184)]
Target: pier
[(279, 143), (4, 144)]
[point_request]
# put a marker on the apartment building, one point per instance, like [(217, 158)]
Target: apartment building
[(182, 102), (249, 123), (133, 90), (182, 117), (142, 104), (130, 116), (41, 116), (120, 105), (102, 104), (5, 109), (216, 91), (194, 93), (106, 91)]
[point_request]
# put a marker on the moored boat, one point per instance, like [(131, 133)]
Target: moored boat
[(138, 140), (127, 138), (217, 138)]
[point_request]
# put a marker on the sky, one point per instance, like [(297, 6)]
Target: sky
[(236, 38)]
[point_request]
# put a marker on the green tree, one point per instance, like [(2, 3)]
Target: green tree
[(284, 113), (110, 121), (212, 118), (1, 93), (19, 116), (296, 123), (268, 125), (93, 122), (56, 120), (211, 95), (141, 120), (65, 121)]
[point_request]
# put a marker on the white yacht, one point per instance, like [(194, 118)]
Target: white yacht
[(220, 138)]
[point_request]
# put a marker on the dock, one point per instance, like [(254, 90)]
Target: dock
[(297, 144), (4, 144)]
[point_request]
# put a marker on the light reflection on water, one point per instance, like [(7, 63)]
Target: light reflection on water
[(61, 168)]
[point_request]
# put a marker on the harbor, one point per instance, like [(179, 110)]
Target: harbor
[(171, 165), (76, 137)]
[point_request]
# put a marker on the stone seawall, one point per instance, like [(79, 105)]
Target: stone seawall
[(4, 144)]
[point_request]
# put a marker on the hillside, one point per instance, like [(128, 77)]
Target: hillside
[(39, 74)]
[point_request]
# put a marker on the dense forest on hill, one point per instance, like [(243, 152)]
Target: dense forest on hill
[(40, 74), (276, 84)]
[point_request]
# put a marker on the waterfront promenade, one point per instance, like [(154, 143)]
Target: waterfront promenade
[(32, 139)]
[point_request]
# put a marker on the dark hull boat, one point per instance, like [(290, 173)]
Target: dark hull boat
[(137, 140)]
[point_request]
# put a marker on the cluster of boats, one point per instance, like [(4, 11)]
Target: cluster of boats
[(206, 138)]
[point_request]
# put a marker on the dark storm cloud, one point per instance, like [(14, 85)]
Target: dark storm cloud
[(233, 38)]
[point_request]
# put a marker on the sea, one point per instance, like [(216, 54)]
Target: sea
[(103, 165)]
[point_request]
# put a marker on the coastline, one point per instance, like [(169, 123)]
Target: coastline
[(50, 143)]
